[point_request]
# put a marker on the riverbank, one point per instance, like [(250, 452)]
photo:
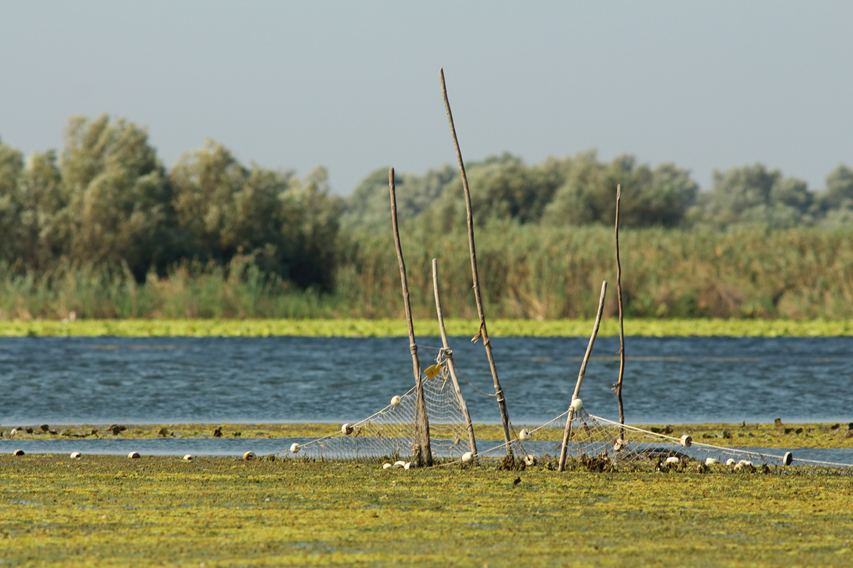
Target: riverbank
[(813, 435), (346, 327)]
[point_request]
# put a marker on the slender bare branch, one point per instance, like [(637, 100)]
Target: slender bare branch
[(621, 328), (567, 432), (483, 331), (424, 456), (451, 364)]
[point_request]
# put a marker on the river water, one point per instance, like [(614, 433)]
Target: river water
[(296, 379)]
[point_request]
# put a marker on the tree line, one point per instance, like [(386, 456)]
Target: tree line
[(580, 190), (106, 201)]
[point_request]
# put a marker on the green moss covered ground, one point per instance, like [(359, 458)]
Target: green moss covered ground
[(836, 435), (112, 511)]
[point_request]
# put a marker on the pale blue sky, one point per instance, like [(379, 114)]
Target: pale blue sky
[(354, 85)]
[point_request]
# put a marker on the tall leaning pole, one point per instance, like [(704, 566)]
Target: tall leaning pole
[(499, 393), (424, 454)]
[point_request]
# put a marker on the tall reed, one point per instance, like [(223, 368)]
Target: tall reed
[(526, 272)]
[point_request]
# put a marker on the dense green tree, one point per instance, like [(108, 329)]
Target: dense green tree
[(658, 197), (11, 166), (310, 227), (502, 187), (369, 206), (43, 237), (119, 199), (289, 226), (835, 204), (754, 195), (224, 207)]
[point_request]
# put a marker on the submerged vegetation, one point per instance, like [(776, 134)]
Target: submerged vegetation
[(219, 512)]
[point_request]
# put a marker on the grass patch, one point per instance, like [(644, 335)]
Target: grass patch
[(218, 512), (346, 327)]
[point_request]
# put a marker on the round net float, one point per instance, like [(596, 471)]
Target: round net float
[(410, 465), (619, 445), (346, 429), (524, 434), (133, 455), (711, 461), (387, 465), (467, 457), (399, 464), (188, 457), (730, 461), (530, 459), (294, 448), (686, 441), (745, 463), (577, 404), (75, 455), (18, 452), (672, 460), (788, 459), (396, 400), (249, 456)]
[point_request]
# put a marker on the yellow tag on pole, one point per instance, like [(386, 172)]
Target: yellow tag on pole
[(433, 370)]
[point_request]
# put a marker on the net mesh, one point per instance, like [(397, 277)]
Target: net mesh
[(596, 443), (391, 433), (599, 444)]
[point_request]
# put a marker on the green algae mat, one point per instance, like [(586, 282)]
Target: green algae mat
[(397, 328), (217, 512), (759, 435)]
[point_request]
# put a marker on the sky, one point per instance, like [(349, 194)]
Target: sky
[(354, 86)]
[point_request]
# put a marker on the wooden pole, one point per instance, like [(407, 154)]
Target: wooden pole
[(567, 432), (424, 455), (451, 364), (483, 332), (621, 328)]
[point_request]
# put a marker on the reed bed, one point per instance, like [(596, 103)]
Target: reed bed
[(526, 272)]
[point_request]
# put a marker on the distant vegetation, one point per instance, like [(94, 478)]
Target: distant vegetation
[(103, 229)]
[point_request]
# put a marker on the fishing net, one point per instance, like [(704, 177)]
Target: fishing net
[(599, 444), (393, 432)]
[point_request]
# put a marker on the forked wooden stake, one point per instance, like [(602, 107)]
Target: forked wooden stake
[(621, 328), (567, 433), (451, 364), (424, 457), (499, 393)]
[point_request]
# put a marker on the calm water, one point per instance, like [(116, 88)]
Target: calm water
[(284, 379)]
